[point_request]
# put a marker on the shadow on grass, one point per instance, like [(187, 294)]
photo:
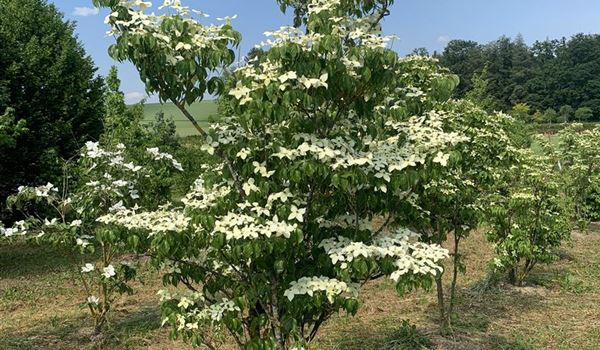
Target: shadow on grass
[(133, 329), (356, 336), (594, 227), (477, 310), (56, 333), (29, 272), (471, 329), (27, 259)]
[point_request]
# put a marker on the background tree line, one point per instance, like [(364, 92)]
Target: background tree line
[(549, 81), (51, 98)]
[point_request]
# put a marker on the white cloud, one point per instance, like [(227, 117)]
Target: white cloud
[(443, 39), (85, 11), (134, 97)]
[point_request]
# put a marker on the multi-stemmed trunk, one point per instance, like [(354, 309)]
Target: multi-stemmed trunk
[(446, 310)]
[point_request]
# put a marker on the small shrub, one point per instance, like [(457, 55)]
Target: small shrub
[(529, 217), (488, 284), (408, 337), (102, 181), (572, 284), (578, 156), (452, 201)]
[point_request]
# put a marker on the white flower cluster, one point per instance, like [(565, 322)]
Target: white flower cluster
[(243, 226), (283, 197), (93, 300), (411, 257), (120, 177), (227, 133), (347, 221), (288, 34), (84, 240), (19, 229), (250, 186), (158, 155), (201, 197), (93, 150), (261, 169), (421, 258), (522, 196), (243, 153), (109, 272), (41, 191), (311, 285), (155, 222), (424, 138), (115, 186), (113, 158), (87, 268), (241, 93), (449, 186), (343, 27), (412, 143), (168, 38), (261, 75), (318, 6), (194, 312)]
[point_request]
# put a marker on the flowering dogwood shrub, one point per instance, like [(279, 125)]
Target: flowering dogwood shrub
[(578, 154), (454, 200), (126, 124), (308, 179), (529, 217), (103, 181)]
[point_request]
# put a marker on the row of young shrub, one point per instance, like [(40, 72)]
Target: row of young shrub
[(337, 163)]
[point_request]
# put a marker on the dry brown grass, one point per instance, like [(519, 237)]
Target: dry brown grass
[(559, 309)]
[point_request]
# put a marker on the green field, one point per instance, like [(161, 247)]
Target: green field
[(550, 133), (551, 138), (201, 111)]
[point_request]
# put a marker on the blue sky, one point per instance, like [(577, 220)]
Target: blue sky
[(418, 23)]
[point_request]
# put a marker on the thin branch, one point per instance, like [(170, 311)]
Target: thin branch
[(189, 116), (383, 226), (317, 325), (234, 174), (382, 13)]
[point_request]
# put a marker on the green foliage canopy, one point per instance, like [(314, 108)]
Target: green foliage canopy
[(529, 216), (327, 130), (49, 83)]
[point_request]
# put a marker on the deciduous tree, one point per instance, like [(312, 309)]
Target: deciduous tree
[(329, 130), (49, 82)]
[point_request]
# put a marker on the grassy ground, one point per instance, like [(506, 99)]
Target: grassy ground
[(559, 309), (201, 111)]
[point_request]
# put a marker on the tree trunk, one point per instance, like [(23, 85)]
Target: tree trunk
[(440, 297), (454, 276), (512, 275)]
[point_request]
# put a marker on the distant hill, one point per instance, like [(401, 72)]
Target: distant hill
[(201, 111)]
